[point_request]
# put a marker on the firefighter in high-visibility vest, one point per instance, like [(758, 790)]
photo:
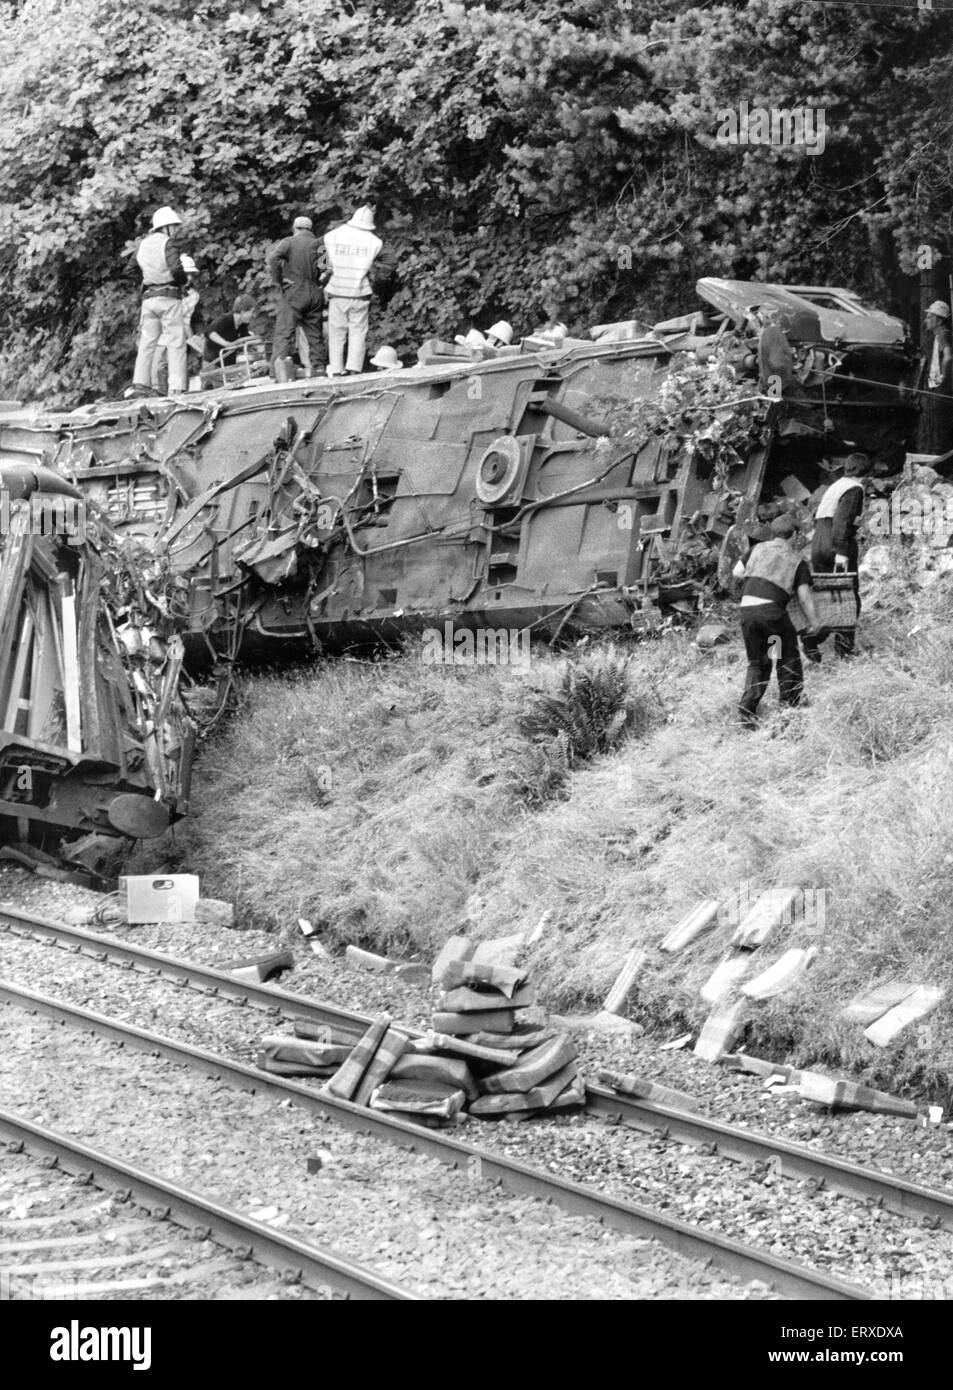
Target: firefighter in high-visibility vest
[(351, 250)]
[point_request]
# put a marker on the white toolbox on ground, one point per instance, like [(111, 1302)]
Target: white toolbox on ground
[(160, 897)]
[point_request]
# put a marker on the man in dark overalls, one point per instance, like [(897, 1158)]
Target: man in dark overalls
[(773, 572), (296, 267)]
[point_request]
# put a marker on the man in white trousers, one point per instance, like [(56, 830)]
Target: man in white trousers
[(351, 250)]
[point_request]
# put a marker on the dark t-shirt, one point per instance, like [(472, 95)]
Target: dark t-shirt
[(226, 328)]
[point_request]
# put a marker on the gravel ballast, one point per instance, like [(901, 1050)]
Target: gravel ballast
[(840, 1235)]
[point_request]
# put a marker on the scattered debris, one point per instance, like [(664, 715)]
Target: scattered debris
[(349, 1076), (616, 998), (676, 1044), (601, 1022), (849, 1095), (868, 1007), (215, 912), (766, 914), (701, 919), (722, 1027), (428, 1098), (385, 965), (160, 898), (288, 1057), (725, 976), (482, 1055), (260, 968), (632, 1085), (917, 1005), (452, 1072), (782, 975)]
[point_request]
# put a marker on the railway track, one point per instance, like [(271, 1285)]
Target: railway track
[(737, 1258), (729, 1141), (99, 1230)]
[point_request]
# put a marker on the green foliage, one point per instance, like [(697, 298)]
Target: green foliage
[(590, 714), (593, 709), (529, 159)]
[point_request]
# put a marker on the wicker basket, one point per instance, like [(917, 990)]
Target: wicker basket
[(835, 601)]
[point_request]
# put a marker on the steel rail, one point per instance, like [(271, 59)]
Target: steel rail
[(214, 981), (751, 1146), (793, 1160), (742, 1261), (316, 1267)]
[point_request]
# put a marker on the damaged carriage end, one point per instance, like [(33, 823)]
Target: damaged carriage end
[(95, 740)]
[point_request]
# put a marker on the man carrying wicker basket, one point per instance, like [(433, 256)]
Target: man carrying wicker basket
[(834, 549)]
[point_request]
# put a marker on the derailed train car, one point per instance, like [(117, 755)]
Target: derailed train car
[(95, 743), (561, 487)]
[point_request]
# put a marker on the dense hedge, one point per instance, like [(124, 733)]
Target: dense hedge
[(528, 156)]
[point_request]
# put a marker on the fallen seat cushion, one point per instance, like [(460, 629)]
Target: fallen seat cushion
[(419, 1098), (465, 1000), (451, 1071), (533, 1068), (487, 1021), (539, 1098)]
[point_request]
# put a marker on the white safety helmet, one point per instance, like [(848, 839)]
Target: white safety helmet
[(165, 217), (387, 357), (501, 330), (363, 218), (941, 310), (188, 265)]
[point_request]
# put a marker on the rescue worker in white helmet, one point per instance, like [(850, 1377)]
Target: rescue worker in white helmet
[(163, 282)]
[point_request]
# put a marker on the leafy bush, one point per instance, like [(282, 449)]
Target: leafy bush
[(594, 709)]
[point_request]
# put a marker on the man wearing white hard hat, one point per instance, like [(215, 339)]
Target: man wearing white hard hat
[(935, 434), (500, 335), (296, 270), (163, 282), (351, 250), (385, 359)]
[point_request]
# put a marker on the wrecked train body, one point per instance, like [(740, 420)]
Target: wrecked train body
[(574, 486), (95, 744)]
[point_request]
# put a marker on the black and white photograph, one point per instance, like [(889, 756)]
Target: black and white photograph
[(476, 669)]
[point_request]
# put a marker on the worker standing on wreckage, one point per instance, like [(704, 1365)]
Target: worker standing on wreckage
[(163, 282), (834, 549), (772, 574), (351, 251), (296, 270)]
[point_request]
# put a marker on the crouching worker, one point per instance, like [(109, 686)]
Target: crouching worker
[(773, 572)]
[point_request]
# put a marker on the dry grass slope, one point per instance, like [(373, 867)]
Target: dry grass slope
[(378, 800)]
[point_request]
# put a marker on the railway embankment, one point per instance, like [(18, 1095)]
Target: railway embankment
[(397, 801)]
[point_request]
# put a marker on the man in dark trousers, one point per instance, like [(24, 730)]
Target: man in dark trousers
[(773, 572), (296, 268), (834, 549)]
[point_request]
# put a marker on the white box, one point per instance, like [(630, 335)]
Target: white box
[(160, 897)]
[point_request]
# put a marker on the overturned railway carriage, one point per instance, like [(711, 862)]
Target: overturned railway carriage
[(94, 739), (583, 485)]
